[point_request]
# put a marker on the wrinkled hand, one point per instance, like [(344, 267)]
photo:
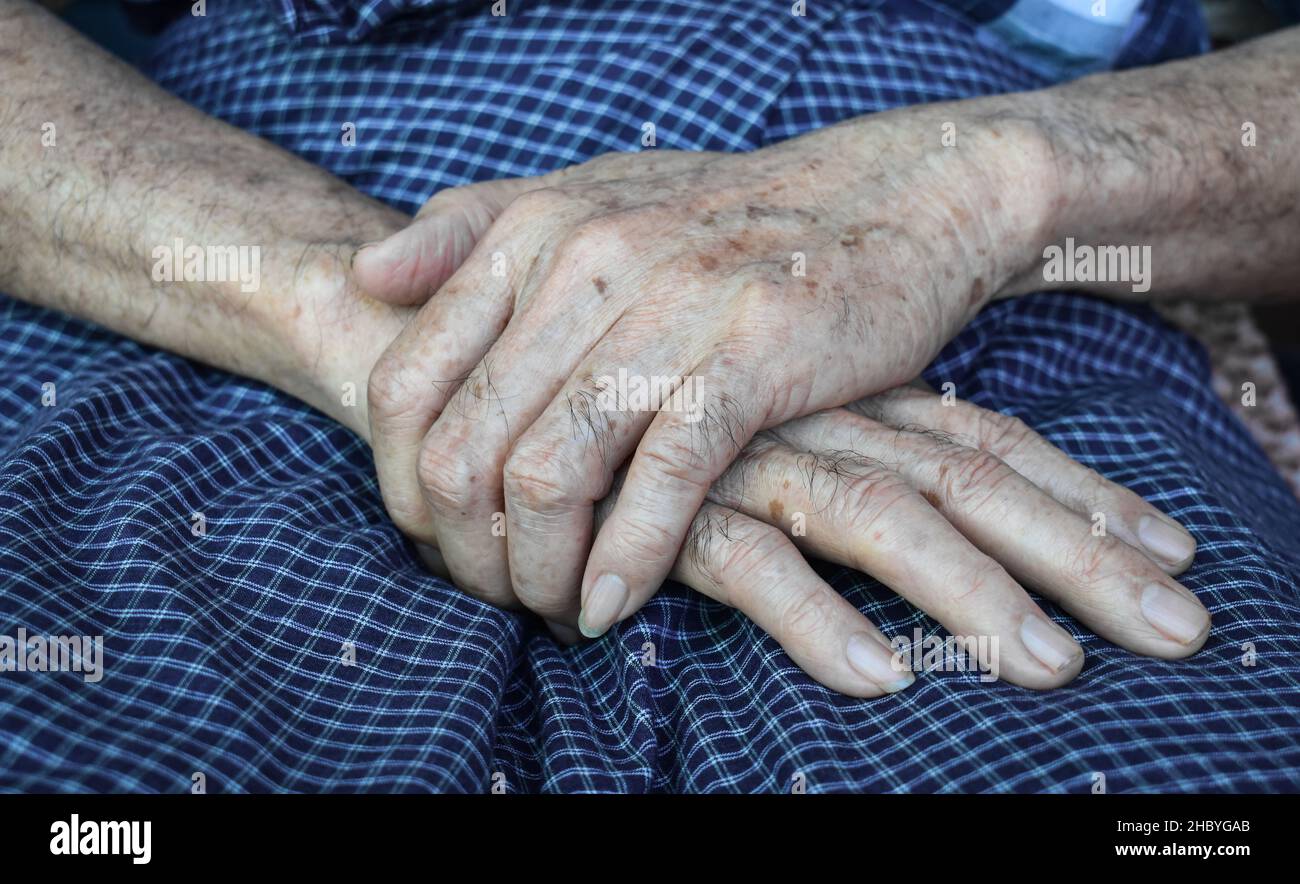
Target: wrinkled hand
[(766, 285), (942, 503), (955, 508)]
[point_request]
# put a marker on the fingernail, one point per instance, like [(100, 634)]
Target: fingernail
[(875, 662), (1174, 614), (1050, 644), (1165, 541), (604, 603)]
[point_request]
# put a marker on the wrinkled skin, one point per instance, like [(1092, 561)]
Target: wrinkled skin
[(781, 282)]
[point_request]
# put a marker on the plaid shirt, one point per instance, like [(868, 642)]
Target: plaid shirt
[(224, 652)]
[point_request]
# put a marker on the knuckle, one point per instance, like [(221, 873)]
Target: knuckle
[(983, 580), (747, 554), (1091, 561), (807, 614), (404, 506), (1088, 493), (540, 202), (971, 477), (447, 477), (388, 391), (1001, 434), (761, 311), (867, 498), (542, 600), (645, 542), (537, 479), (590, 243), (673, 455)]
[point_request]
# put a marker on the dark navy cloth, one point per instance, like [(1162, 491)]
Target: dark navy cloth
[(225, 652)]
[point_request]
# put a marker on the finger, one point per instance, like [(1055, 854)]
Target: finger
[(433, 560), (409, 266), (410, 387), (679, 457), (463, 464), (853, 510), (566, 461), (754, 568), (1124, 514), (1108, 585)]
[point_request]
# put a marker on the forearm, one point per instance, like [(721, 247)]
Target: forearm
[(1198, 159), (91, 218)]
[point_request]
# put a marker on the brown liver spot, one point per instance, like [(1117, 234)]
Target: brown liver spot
[(852, 238), (708, 262), (776, 509), (600, 285)]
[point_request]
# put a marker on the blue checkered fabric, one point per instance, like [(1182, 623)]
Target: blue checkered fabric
[(224, 652)]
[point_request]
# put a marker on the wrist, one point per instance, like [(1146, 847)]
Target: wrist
[(324, 333), (978, 174), (1020, 188)]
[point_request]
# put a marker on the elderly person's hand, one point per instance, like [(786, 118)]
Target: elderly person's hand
[(941, 501), (767, 286), (955, 508)]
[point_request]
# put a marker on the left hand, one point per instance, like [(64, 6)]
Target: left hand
[(774, 284)]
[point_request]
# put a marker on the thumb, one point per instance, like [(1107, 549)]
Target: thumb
[(409, 266)]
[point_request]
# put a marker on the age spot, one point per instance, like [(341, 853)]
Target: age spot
[(708, 262), (776, 510), (600, 285), (852, 238)]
